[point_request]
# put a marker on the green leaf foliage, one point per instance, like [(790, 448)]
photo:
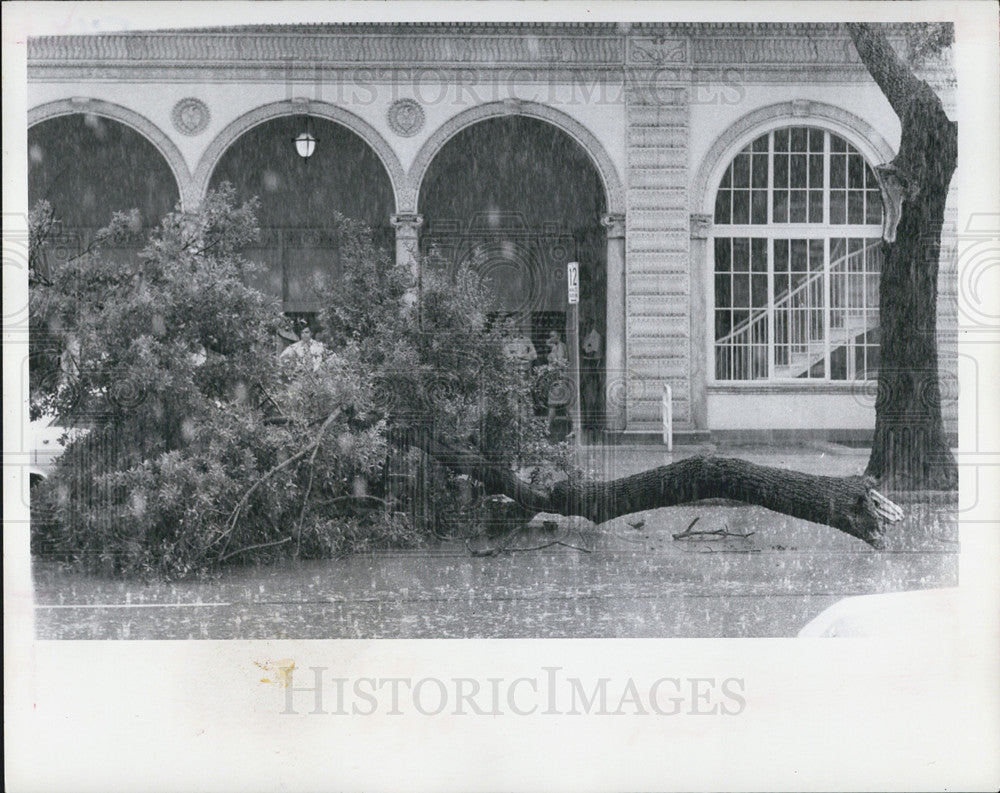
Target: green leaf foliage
[(198, 446)]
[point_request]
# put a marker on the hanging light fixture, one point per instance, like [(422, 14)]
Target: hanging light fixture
[(305, 145), (305, 142)]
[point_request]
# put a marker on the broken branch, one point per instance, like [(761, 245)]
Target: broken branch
[(844, 503)]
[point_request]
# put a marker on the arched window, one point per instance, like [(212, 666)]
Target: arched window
[(798, 221)]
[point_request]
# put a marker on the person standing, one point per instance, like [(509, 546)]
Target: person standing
[(521, 349), (591, 376), (559, 386), (522, 353), (306, 353)]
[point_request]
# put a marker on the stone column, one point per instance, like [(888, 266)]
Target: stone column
[(701, 226), (407, 225), (616, 380)]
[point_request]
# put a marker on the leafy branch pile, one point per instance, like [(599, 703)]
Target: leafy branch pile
[(203, 448)]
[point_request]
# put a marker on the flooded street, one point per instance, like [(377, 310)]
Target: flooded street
[(626, 578)]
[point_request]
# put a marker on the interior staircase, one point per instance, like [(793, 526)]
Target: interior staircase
[(802, 334)]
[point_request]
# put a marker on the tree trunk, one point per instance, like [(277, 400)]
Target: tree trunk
[(844, 503), (910, 450)]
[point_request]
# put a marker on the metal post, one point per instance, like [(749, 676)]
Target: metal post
[(573, 342), (668, 417)]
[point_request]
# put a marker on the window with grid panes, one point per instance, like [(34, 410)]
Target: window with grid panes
[(796, 260)]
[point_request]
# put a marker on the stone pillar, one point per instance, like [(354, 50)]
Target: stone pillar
[(407, 225), (701, 226), (657, 315), (616, 379)]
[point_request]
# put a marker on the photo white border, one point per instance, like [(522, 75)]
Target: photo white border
[(820, 714)]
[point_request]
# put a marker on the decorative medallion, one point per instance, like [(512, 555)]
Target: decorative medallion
[(406, 117), (190, 116)]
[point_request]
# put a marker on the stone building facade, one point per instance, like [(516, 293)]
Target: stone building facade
[(698, 137)]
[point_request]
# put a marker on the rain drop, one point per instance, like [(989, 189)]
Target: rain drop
[(271, 181)]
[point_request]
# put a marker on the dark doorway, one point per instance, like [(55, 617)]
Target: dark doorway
[(88, 167), (299, 198), (517, 199)]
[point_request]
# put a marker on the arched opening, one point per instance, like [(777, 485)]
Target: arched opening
[(299, 197), (88, 167), (518, 198), (796, 261)]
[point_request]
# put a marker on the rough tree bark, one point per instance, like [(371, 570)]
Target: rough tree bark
[(846, 503), (910, 450)]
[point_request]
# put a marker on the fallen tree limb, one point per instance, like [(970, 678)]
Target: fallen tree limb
[(713, 534), (231, 554), (514, 549), (845, 503), (235, 514)]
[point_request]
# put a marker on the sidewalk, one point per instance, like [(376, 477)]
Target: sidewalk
[(814, 457)]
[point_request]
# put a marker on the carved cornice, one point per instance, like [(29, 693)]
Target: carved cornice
[(522, 52), (444, 43), (414, 47), (485, 80), (488, 80), (773, 49)]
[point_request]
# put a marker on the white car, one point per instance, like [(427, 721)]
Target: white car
[(924, 613), (47, 441)]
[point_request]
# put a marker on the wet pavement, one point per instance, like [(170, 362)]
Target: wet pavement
[(625, 578)]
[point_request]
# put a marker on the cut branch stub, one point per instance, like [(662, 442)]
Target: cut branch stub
[(893, 190)]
